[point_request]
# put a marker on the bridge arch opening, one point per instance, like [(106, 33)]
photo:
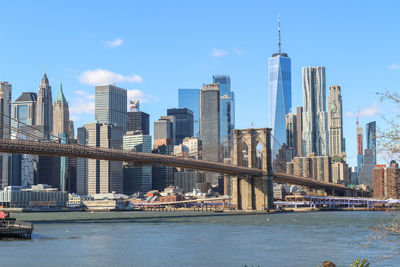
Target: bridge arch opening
[(259, 156), (245, 155)]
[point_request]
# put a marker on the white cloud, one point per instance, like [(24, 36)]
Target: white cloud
[(394, 66), (237, 51), (114, 43), (83, 103), (139, 95), (219, 52), (100, 76), (349, 114), (372, 110)]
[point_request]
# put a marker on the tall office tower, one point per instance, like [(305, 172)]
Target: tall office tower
[(44, 106), (335, 119), (82, 165), (366, 169), (299, 131), (209, 126), (359, 147), (24, 114), (227, 111), (137, 120), (371, 137), (110, 105), (183, 118), (137, 178), (61, 116), (162, 176), (164, 132), (280, 93), (315, 121), (190, 98), (71, 130), (24, 111), (102, 176), (61, 124), (291, 133), (5, 132)]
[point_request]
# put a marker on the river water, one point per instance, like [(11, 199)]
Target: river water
[(197, 239)]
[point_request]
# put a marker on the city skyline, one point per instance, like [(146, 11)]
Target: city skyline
[(214, 57)]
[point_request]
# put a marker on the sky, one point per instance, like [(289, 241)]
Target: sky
[(152, 48)]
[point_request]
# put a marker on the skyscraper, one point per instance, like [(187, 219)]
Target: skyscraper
[(162, 176), (5, 132), (137, 120), (61, 116), (280, 93), (110, 105), (24, 114), (371, 137), (291, 133), (183, 118), (209, 126), (61, 129), (137, 178), (335, 119), (315, 121), (366, 169), (359, 147), (227, 108), (24, 110), (299, 131), (164, 132), (82, 164), (44, 108), (102, 176), (190, 98)]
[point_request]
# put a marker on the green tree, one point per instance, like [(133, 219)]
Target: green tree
[(357, 263)]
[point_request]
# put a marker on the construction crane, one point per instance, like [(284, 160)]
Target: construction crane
[(358, 115)]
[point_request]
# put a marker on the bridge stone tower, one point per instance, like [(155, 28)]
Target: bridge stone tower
[(252, 193)]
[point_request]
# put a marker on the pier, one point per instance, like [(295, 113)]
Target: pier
[(9, 227)]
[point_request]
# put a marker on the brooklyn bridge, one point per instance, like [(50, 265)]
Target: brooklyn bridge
[(252, 179)]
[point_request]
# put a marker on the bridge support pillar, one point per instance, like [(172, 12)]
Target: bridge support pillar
[(253, 193)]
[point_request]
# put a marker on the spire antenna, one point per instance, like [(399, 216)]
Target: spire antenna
[(279, 34)]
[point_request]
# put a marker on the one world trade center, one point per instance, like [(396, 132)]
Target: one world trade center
[(280, 94)]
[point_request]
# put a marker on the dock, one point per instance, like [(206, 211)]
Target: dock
[(9, 227)]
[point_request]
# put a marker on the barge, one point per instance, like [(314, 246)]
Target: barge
[(9, 227)]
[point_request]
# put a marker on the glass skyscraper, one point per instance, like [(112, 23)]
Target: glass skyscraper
[(280, 95), (183, 123), (190, 98), (137, 178), (227, 107), (371, 137)]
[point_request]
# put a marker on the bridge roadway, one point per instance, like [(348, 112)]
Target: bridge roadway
[(80, 151)]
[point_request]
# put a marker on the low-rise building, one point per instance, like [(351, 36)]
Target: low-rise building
[(38, 196), (74, 201)]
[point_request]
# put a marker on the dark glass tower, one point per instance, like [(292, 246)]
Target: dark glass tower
[(371, 137), (137, 120), (183, 123)]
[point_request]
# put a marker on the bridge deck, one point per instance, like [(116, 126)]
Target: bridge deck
[(80, 151)]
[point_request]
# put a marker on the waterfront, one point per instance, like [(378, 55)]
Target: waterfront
[(196, 239)]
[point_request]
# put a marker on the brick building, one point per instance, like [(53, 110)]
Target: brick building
[(386, 181)]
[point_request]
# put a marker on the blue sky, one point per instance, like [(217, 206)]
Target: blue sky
[(152, 48)]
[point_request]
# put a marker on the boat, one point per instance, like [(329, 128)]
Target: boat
[(10, 227)]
